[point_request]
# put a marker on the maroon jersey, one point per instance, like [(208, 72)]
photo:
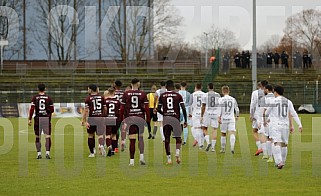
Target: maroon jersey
[(119, 94), (134, 103), (113, 108), (95, 104), (43, 105), (170, 102)]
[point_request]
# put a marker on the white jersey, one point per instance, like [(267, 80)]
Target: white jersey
[(279, 111), (257, 101), (211, 100), (228, 107), (186, 96), (195, 103), (159, 92)]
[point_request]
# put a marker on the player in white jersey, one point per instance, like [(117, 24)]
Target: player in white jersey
[(279, 115), (227, 118), (210, 113), (195, 104), (186, 96), (265, 138), (255, 113), (159, 116)]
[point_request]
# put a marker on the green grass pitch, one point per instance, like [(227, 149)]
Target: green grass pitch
[(71, 172)]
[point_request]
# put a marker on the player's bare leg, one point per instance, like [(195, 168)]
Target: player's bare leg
[(195, 135), (269, 150), (141, 150), (132, 141), (38, 147), (48, 146), (214, 139), (284, 152), (91, 144), (257, 142), (232, 140), (123, 137), (278, 155), (155, 130), (263, 140), (178, 148)]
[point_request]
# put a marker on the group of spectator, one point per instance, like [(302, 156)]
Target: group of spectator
[(267, 60)]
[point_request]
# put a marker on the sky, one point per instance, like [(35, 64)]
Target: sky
[(236, 15)]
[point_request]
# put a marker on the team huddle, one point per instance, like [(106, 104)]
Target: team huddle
[(118, 114)]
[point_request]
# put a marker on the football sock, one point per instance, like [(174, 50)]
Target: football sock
[(207, 139), (232, 141), (141, 145), (132, 148), (114, 144), (185, 130), (269, 148), (141, 156), (47, 152), (155, 131), (117, 139), (162, 133), (101, 141), (149, 128), (277, 152), (48, 144), (284, 152), (169, 158), (108, 142), (213, 143), (264, 148), (38, 144), (177, 152), (91, 145), (202, 137), (258, 144), (167, 147), (178, 143), (223, 142)]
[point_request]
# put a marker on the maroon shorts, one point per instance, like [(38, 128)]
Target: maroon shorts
[(96, 125), (42, 124), (112, 129)]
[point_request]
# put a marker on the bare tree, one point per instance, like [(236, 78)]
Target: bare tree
[(143, 29), (270, 44), (58, 27), (305, 28)]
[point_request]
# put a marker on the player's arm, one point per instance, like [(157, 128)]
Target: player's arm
[(295, 116), (252, 105), (147, 112), (190, 105), (203, 106), (51, 108), (121, 112), (184, 113), (159, 107), (236, 108), (155, 102), (31, 111)]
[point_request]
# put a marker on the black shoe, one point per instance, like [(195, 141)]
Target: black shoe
[(109, 152), (153, 137), (39, 157), (208, 147), (47, 156), (150, 136), (112, 152), (184, 143)]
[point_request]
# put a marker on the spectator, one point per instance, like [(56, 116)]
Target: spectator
[(276, 58)]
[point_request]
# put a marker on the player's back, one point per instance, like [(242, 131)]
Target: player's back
[(228, 107), (42, 104), (134, 102), (280, 110), (113, 107), (170, 102), (160, 91), (185, 95), (95, 104), (211, 99), (196, 102), (119, 94)]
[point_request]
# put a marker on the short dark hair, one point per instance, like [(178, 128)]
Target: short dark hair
[(210, 85), (279, 89), (118, 83), (162, 83), (264, 83), (169, 84), (269, 87), (178, 86), (41, 87), (93, 87), (198, 86), (135, 81), (183, 84)]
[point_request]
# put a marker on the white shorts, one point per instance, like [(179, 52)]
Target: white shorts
[(280, 133), (210, 121), (267, 130), (159, 117), (196, 121), (228, 126)]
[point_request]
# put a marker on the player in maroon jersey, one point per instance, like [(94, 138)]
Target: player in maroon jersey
[(95, 108), (170, 101), (43, 105), (114, 116), (119, 94), (135, 105)]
